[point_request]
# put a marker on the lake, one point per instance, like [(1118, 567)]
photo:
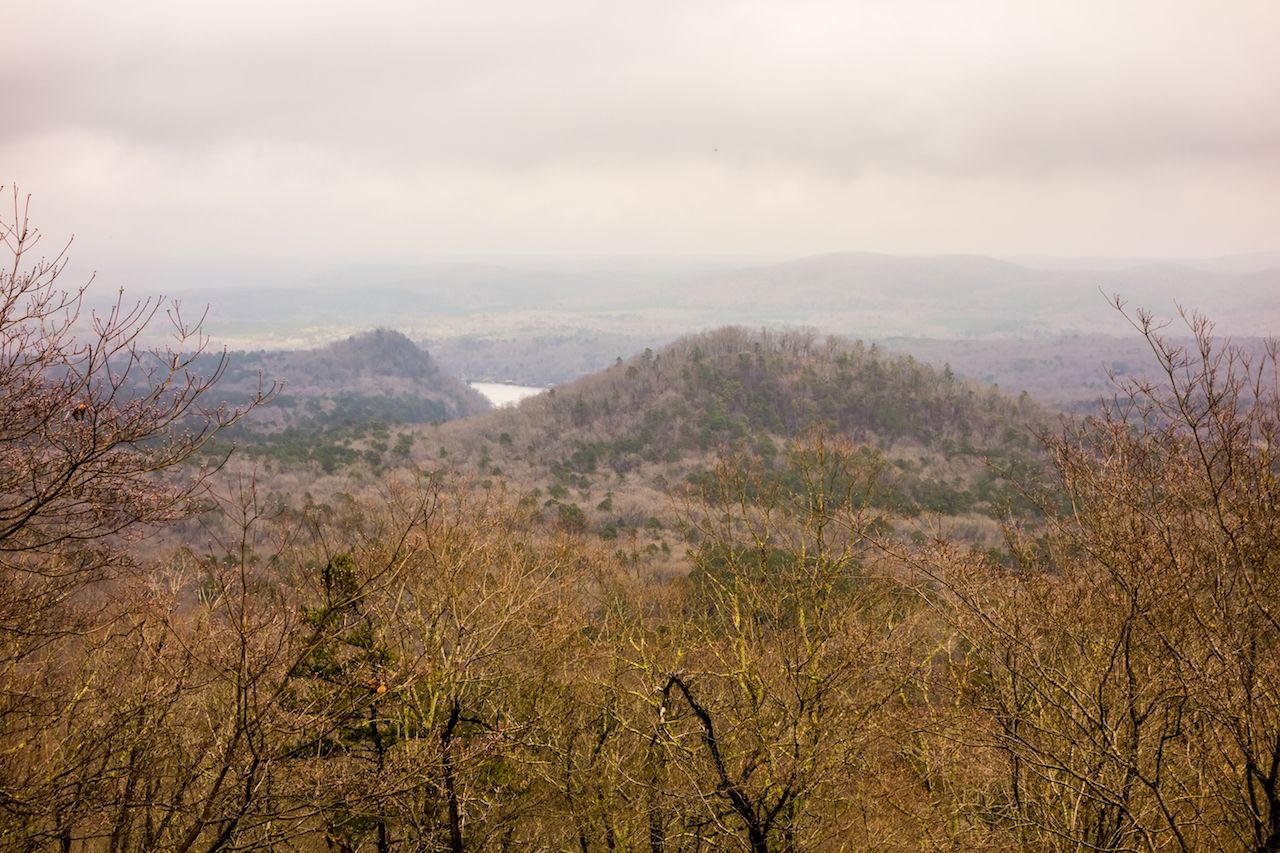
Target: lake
[(505, 394)]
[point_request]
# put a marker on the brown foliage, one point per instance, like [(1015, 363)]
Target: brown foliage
[(89, 417), (93, 425), (428, 666), (1126, 672)]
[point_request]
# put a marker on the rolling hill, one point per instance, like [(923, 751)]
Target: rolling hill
[(331, 398), (611, 451)]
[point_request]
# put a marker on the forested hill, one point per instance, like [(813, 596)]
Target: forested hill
[(646, 425), (377, 376), (715, 388)]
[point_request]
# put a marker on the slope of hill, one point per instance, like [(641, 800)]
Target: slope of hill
[(331, 397), (1070, 372), (628, 440), (380, 365)]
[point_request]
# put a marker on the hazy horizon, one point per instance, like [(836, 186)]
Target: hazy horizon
[(206, 141)]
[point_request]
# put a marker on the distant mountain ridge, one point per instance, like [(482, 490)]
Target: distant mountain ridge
[(379, 374), (974, 296), (865, 295)]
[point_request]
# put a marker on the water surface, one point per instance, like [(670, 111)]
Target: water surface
[(505, 393)]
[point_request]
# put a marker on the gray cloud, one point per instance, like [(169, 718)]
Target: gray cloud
[(580, 125)]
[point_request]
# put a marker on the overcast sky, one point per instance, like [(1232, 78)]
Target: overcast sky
[(398, 132)]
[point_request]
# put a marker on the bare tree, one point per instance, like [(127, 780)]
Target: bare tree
[(90, 417), (95, 426), (762, 701), (1127, 668)]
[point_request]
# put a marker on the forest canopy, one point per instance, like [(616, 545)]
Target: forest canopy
[(432, 661)]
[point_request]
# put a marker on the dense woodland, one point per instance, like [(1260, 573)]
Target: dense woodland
[(755, 590)]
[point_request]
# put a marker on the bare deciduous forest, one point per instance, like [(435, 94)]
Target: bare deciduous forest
[(759, 591)]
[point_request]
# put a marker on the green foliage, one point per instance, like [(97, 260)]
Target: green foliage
[(571, 518), (339, 578), (345, 669)]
